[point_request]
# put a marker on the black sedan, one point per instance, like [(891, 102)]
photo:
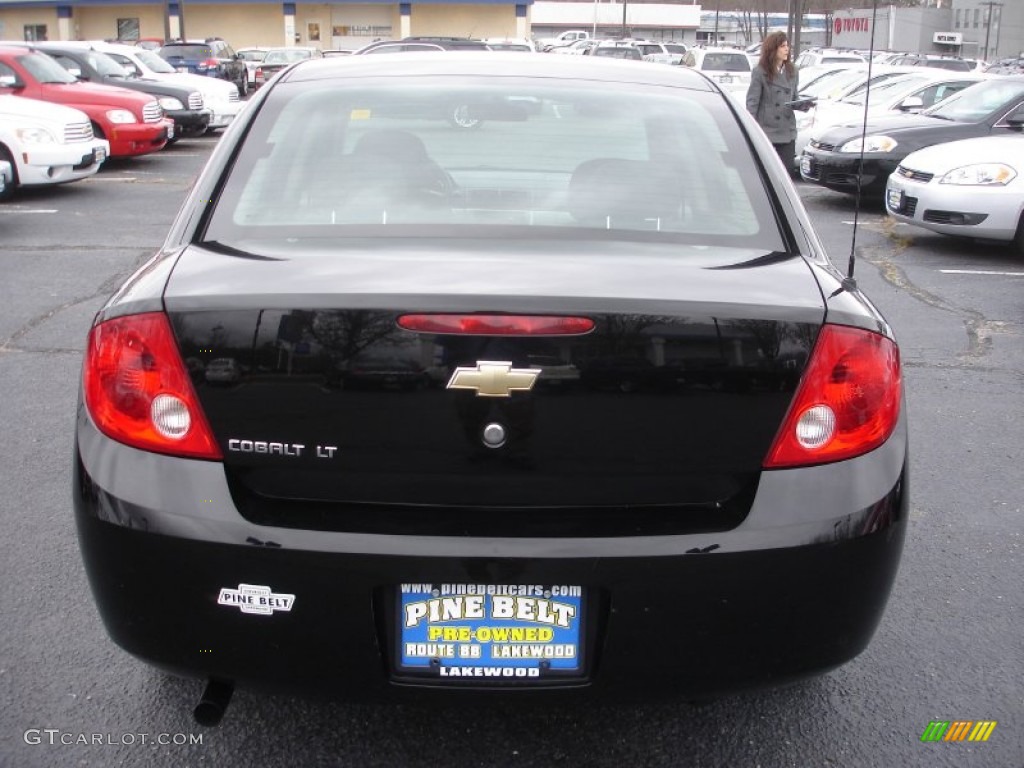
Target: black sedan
[(182, 103), (488, 533), (833, 158)]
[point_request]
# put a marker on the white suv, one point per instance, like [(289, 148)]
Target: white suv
[(729, 67), (661, 53), (46, 143)]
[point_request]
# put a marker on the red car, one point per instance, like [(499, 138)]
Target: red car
[(132, 122)]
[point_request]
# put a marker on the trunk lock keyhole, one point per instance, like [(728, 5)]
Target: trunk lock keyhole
[(494, 435)]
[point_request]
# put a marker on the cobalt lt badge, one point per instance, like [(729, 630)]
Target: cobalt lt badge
[(493, 379)]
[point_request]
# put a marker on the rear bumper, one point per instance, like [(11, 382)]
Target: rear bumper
[(796, 589)]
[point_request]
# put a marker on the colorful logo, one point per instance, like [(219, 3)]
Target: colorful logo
[(958, 730)]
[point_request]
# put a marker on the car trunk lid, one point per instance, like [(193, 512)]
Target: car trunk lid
[(332, 415)]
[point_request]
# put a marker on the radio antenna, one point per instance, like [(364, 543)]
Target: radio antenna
[(850, 281)]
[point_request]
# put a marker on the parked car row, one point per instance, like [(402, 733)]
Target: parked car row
[(893, 90), (66, 107), (181, 102), (132, 122), (953, 168), (211, 57), (220, 97)]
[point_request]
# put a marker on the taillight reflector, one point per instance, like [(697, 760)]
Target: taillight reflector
[(138, 391), (497, 325), (847, 403)]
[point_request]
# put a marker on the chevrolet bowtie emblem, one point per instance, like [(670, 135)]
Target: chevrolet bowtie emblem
[(494, 379)]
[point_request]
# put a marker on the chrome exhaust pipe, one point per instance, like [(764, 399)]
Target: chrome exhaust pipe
[(213, 703)]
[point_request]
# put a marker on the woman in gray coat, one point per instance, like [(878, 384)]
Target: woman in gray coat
[(773, 88)]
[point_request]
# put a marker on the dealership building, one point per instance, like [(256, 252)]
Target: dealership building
[(974, 28), (970, 28)]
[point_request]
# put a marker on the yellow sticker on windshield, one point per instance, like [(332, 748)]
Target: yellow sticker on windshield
[(359, 114)]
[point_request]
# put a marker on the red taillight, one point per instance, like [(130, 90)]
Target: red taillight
[(138, 391), (209, 64), (259, 71), (498, 325), (847, 403)]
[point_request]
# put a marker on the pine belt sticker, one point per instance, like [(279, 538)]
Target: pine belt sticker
[(255, 598)]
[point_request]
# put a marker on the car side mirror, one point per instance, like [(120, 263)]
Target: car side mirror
[(77, 73), (911, 104), (10, 81)]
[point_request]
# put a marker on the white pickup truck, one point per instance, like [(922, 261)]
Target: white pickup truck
[(568, 37)]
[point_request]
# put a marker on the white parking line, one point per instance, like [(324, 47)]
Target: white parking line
[(980, 272), (14, 209)]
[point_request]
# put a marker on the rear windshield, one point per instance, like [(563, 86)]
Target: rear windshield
[(726, 62), (256, 56), (954, 65), (187, 51), (537, 158), (286, 57), (618, 52)]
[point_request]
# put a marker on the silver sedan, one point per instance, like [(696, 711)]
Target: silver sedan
[(969, 188)]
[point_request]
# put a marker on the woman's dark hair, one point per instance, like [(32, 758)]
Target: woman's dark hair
[(769, 47)]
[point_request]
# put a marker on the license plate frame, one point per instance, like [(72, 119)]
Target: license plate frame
[(490, 633)]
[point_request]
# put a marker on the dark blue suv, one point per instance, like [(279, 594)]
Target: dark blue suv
[(212, 57)]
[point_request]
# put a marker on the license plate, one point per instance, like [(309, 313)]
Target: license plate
[(894, 199), (501, 632), (725, 79), (182, 69), (805, 166)]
